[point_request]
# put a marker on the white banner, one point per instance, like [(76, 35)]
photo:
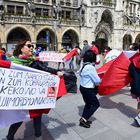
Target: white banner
[(51, 56), (27, 90)]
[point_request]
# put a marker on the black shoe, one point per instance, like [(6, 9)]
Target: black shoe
[(89, 122), (84, 123)]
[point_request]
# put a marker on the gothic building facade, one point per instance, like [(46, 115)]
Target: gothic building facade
[(55, 23)]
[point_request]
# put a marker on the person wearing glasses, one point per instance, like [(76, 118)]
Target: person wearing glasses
[(23, 54)]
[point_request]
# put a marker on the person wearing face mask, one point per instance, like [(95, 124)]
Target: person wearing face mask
[(85, 48), (23, 54)]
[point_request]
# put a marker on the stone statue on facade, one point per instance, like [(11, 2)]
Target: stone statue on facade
[(82, 15)]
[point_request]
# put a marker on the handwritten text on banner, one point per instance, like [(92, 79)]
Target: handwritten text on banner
[(51, 56), (27, 90)]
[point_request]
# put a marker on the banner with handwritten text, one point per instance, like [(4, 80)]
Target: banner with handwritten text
[(27, 90), (51, 56)]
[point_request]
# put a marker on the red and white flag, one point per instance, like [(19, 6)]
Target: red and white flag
[(71, 54), (115, 73), (8, 117)]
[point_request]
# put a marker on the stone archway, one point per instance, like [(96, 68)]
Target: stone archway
[(70, 39), (47, 40), (14, 36), (127, 40), (137, 40), (104, 30), (101, 41)]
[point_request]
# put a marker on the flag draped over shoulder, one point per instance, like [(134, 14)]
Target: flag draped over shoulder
[(115, 73), (8, 117)]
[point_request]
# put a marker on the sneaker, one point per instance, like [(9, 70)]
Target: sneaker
[(84, 123), (137, 120)]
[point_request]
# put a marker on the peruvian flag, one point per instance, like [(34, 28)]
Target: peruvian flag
[(111, 55), (71, 54), (115, 74), (8, 117)]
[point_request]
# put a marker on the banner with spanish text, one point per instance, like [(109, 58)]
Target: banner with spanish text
[(51, 56), (27, 90)]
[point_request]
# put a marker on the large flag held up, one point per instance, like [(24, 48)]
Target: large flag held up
[(115, 73), (71, 54)]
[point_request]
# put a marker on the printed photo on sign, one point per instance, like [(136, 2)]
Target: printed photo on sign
[(51, 92)]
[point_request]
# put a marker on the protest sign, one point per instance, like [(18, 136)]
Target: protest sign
[(27, 90), (51, 56)]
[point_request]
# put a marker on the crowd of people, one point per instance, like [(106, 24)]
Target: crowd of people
[(89, 80)]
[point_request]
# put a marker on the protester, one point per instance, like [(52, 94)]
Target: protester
[(89, 80), (134, 71), (106, 50), (62, 50), (23, 54), (37, 51), (134, 47), (94, 48), (78, 60), (85, 48), (3, 54)]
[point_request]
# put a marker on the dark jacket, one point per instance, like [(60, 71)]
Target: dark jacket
[(135, 84)]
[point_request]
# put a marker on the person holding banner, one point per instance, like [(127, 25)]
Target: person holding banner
[(23, 54), (89, 80), (62, 50)]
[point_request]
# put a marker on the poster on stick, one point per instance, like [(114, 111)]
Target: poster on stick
[(27, 90), (51, 56)]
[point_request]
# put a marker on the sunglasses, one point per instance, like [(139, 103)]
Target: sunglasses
[(29, 45)]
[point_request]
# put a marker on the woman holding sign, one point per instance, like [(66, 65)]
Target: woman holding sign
[(23, 54)]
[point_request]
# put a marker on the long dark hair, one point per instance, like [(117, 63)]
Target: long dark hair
[(19, 46)]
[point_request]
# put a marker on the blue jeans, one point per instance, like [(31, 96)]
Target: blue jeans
[(91, 102)]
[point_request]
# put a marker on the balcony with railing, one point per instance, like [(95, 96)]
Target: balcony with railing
[(9, 19), (34, 14), (106, 3)]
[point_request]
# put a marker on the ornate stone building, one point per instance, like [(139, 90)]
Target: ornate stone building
[(115, 23), (53, 23), (47, 23)]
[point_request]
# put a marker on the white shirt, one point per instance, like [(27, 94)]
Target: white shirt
[(89, 77)]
